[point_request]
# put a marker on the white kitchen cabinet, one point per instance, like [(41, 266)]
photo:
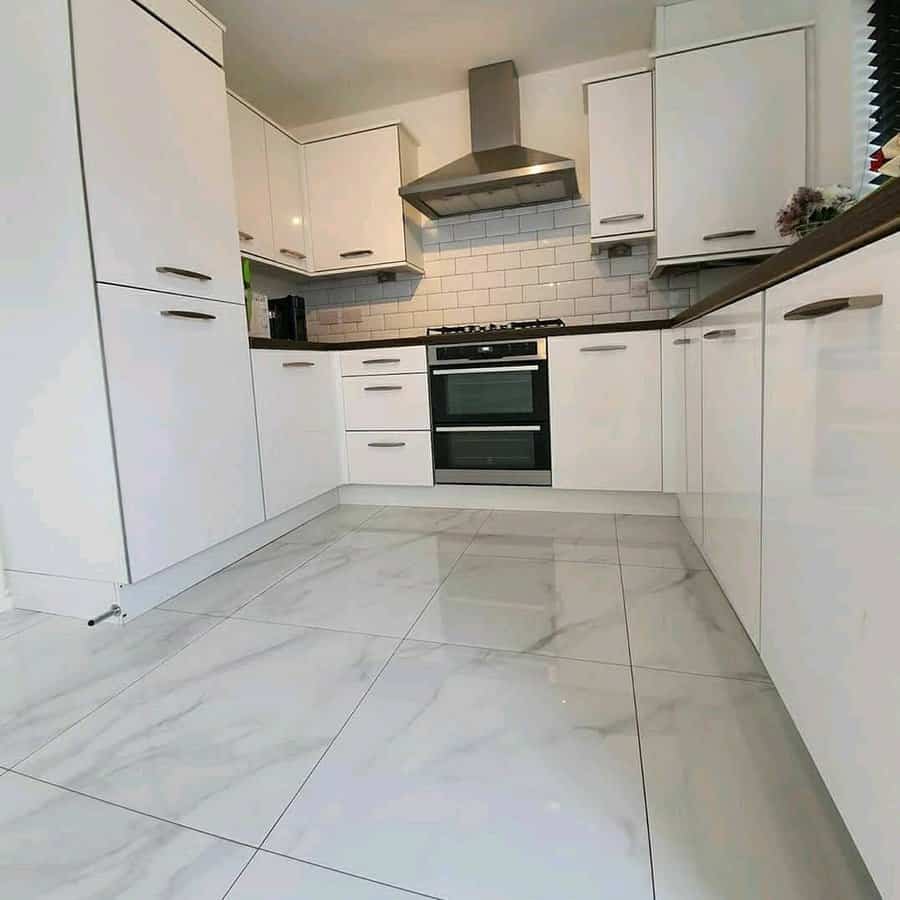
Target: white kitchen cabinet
[(605, 411), (732, 455), (673, 405), (690, 502), (831, 520), (297, 414), (358, 220), (251, 179), (730, 145), (391, 402), (384, 361), (182, 412), (620, 123), (156, 155), (287, 191), (390, 457)]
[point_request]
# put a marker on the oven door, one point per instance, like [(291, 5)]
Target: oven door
[(492, 454), (508, 394)]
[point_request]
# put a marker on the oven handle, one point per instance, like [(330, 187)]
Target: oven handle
[(441, 429), (476, 370)]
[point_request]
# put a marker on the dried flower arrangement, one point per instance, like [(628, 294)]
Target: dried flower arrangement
[(809, 208)]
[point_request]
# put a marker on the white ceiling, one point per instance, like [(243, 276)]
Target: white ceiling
[(304, 61)]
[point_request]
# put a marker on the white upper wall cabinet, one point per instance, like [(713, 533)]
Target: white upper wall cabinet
[(157, 157), (620, 121), (730, 145), (358, 219), (287, 191)]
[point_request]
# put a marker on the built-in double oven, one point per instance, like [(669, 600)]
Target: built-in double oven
[(490, 412)]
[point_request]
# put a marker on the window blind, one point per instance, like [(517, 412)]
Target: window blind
[(884, 73)]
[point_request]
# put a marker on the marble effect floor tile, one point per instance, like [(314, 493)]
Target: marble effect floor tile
[(271, 877), (538, 606), (12, 621), (227, 591), (679, 619), (428, 520), (656, 541), (736, 807), (330, 526), (221, 736), (572, 537), (376, 582), (474, 774), (55, 673), (57, 845)]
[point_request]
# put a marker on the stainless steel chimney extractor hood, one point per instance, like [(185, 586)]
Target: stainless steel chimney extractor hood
[(499, 172)]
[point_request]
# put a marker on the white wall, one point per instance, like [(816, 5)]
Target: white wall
[(554, 118), (833, 129)]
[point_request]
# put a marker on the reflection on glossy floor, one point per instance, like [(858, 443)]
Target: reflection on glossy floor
[(460, 704)]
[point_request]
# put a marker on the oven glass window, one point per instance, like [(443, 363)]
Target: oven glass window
[(489, 393), (489, 450)]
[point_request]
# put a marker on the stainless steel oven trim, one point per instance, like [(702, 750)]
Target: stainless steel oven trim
[(538, 477), (444, 429), (493, 339), (481, 370)]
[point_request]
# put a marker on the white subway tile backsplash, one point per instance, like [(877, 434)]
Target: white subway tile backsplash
[(499, 266)]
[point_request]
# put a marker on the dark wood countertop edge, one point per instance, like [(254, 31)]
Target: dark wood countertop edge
[(607, 328), (875, 217)]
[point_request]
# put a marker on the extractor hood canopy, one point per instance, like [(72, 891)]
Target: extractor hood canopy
[(499, 172)]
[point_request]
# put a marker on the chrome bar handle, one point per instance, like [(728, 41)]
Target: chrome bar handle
[(377, 362), (835, 304), (384, 387), (625, 217), (185, 314), (350, 254), (603, 348), (245, 236), (721, 235), (114, 612), (295, 253), (183, 273), (679, 341), (719, 333), (297, 365), (387, 443)]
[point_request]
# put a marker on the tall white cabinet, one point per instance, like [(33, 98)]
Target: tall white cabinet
[(831, 520)]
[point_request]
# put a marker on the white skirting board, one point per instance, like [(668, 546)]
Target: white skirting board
[(477, 496), (85, 599)]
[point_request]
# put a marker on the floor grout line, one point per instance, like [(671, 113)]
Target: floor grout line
[(637, 727)]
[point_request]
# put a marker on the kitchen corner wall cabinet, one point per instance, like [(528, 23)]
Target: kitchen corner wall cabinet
[(297, 413), (156, 156), (182, 413), (357, 218), (605, 411), (270, 183), (831, 519), (730, 146), (732, 455), (620, 122)]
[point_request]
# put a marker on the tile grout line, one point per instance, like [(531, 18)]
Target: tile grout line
[(366, 693), (637, 724)]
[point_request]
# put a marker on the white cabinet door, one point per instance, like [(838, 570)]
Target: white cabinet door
[(287, 191), (620, 122), (690, 502), (392, 402), (390, 457), (731, 144), (355, 211), (732, 455), (157, 160), (605, 411), (297, 405), (251, 179), (182, 412), (673, 404), (831, 522)]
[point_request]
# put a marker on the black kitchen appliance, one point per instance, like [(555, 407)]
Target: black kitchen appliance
[(287, 318)]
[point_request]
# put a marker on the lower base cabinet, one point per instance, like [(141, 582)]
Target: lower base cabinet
[(181, 399), (831, 525), (390, 457), (690, 502)]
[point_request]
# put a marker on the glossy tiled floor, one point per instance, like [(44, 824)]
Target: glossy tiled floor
[(460, 704)]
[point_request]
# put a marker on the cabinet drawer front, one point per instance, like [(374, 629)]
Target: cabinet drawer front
[(157, 164), (831, 518), (182, 412), (383, 361), (386, 402), (605, 411), (390, 457)]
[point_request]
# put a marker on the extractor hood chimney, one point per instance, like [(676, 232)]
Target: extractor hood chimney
[(499, 172)]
